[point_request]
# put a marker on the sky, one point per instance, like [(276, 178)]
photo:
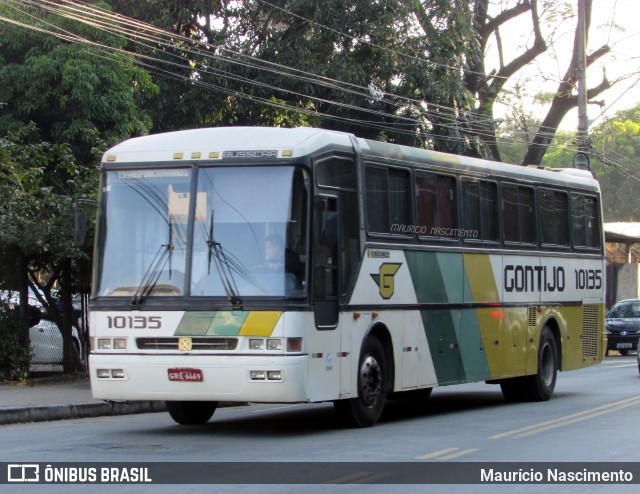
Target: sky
[(624, 59)]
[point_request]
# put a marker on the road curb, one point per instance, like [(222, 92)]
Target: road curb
[(44, 413)]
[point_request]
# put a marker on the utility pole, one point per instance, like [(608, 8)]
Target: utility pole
[(581, 159)]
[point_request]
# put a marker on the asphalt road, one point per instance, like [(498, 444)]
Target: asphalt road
[(592, 417)]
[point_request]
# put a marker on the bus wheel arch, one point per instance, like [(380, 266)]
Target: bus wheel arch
[(374, 381)]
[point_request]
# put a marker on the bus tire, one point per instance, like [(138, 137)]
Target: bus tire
[(513, 389), (540, 386), (365, 410), (191, 412)]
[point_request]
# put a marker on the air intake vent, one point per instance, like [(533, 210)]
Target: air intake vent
[(171, 344), (591, 321), (532, 317)]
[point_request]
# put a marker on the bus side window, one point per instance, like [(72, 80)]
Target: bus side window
[(585, 222), (553, 211), (480, 218), (518, 214), (388, 199)]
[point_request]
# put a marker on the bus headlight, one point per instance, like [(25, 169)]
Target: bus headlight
[(274, 344), (105, 343), (256, 344), (120, 343), (274, 375), (257, 375)]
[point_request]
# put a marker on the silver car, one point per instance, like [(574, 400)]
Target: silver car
[(47, 351)]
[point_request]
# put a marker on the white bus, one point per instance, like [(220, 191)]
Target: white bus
[(305, 265)]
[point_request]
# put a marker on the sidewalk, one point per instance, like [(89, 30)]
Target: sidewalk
[(59, 398)]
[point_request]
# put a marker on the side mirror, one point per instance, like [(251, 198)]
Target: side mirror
[(80, 231)]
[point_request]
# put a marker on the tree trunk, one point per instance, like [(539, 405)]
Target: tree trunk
[(23, 289), (72, 362)]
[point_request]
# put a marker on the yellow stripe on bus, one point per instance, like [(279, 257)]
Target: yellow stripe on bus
[(259, 323)]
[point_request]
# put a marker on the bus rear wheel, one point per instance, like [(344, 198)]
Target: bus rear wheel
[(191, 412), (365, 410), (540, 386)]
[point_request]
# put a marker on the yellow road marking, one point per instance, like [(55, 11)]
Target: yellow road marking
[(569, 419)]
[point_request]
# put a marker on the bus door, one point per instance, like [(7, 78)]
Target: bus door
[(325, 267)]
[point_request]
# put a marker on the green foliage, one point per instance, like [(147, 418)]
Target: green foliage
[(14, 358), (38, 186), (355, 43), (61, 105), (74, 94), (617, 142)]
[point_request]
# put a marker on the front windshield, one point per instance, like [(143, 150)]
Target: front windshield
[(143, 232), (249, 236), (250, 231), (625, 310)]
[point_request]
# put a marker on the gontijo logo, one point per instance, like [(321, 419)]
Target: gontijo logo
[(385, 279)]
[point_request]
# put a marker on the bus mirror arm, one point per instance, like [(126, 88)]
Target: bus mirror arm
[(81, 220)]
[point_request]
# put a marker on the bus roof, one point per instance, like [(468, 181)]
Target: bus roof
[(217, 142), (212, 143)]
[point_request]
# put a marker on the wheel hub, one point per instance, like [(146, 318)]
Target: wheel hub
[(370, 381)]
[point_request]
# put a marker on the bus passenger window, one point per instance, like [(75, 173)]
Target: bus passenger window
[(479, 211), (518, 213), (585, 222), (553, 211), (388, 200), (436, 205)]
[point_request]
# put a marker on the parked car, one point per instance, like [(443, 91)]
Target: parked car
[(623, 326), (45, 337)]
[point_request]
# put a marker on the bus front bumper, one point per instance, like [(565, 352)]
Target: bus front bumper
[(267, 379)]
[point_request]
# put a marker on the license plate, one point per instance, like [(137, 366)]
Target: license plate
[(624, 345), (185, 375)]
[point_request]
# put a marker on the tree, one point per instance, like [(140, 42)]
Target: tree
[(616, 141), (62, 104), (491, 86), (565, 97), (362, 67), (488, 87)]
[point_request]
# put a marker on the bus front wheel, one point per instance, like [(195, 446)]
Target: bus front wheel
[(365, 410), (191, 412)]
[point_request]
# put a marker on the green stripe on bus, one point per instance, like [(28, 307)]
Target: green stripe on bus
[(211, 323)]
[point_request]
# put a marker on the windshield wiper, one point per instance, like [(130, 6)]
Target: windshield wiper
[(152, 274), (223, 265)]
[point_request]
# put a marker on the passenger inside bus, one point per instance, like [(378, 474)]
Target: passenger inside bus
[(278, 258)]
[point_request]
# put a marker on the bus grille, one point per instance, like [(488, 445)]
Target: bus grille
[(196, 343), (591, 317)]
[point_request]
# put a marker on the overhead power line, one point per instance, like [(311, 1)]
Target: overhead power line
[(161, 42)]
